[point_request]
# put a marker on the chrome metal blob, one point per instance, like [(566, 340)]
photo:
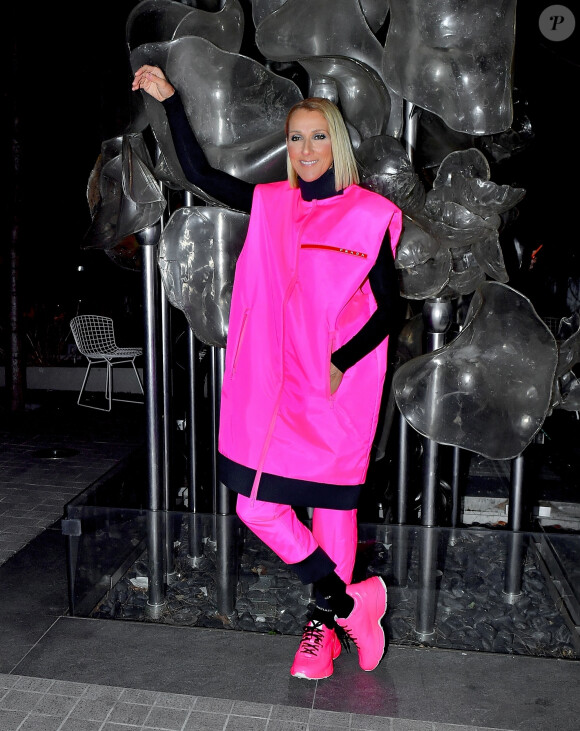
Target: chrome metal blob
[(104, 191), (360, 92), (567, 384), (143, 202), (567, 392), (454, 59), (225, 28), (325, 28), (463, 177), (429, 279), (489, 390), (262, 8), (416, 247), (237, 109), (124, 196), (569, 348), (375, 11), (462, 213), (151, 21), (387, 169), (198, 251), (154, 21)]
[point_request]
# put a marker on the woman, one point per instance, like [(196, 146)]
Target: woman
[(315, 297)]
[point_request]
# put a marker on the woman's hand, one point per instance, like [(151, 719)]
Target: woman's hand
[(152, 80), (335, 378)]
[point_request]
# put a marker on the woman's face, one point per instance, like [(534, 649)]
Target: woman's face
[(309, 144)]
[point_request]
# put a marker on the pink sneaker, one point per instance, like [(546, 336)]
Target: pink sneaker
[(318, 648), (363, 624)]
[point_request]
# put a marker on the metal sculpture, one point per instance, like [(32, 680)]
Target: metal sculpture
[(153, 21), (454, 59), (387, 169), (124, 196), (335, 28), (198, 251), (237, 105), (450, 243), (489, 390)]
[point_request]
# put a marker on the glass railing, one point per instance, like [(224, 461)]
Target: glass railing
[(471, 588)]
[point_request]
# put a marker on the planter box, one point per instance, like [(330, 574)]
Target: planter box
[(69, 378)]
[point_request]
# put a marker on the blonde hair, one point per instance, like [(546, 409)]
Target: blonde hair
[(345, 167)]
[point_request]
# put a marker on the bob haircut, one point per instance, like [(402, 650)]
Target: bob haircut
[(345, 167)]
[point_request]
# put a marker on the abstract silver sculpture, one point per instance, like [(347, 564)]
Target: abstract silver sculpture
[(457, 229), (454, 59), (387, 169), (124, 196), (375, 11), (322, 28), (489, 390), (198, 250), (152, 21)]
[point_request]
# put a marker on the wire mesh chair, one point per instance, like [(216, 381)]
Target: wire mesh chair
[(95, 338)]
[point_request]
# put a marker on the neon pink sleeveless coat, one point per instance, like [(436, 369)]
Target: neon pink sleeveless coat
[(300, 292)]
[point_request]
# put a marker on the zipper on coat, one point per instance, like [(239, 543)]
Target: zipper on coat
[(239, 344), (289, 290)]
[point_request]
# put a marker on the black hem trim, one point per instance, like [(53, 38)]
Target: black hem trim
[(287, 490), (313, 567)]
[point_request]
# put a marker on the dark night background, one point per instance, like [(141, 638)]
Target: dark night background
[(69, 80)]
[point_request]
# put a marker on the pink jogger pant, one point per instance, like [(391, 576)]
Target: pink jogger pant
[(278, 526)]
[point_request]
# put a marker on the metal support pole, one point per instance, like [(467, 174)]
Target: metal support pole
[(148, 239), (225, 529), (427, 581), (516, 509), (226, 563), (515, 547), (430, 481), (168, 440), (156, 520), (455, 496), (410, 123), (403, 474), (195, 533), (222, 496), (455, 488), (195, 545), (401, 554), (191, 421), (437, 313)]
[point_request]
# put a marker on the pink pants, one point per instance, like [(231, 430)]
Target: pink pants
[(278, 526)]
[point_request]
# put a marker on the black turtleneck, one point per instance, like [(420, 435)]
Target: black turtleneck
[(236, 193), (322, 187)]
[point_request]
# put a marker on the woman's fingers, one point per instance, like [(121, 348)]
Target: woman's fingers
[(153, 81)]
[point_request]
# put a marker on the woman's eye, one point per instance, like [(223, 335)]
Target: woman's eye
[(294, 138), (320, 136)]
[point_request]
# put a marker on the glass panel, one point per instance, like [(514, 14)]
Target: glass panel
[(466, 589)]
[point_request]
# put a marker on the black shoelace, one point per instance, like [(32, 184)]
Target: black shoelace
[(312, 638)]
